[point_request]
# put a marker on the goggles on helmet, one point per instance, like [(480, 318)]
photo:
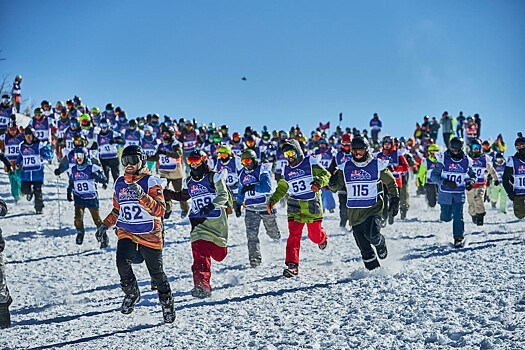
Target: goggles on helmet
[(247, 161), (223, 155), (131, 160), (197, 160), (290, 153), (475, 146), (80, 155), (250, 143)]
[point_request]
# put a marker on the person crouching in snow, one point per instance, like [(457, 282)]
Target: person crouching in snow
[(363, 176), (255, 185), (302, 179), (138, 206), (208, 218), (83, 191)]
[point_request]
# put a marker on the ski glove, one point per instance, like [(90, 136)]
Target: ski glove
[(69, 196), (450, 184), (394, 205), (315, 186), (2, 242), (496, 182), (247, 188), (105, 185), (269, 207), (134, 187), (101, 231), (161, 151), (57, 172), (207, 209), (333, 181), (112, 141), (512, 195), (237, 208), (469, 184)]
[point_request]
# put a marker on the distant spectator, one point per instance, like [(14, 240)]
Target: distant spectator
[(17, 93), (418, 133), (425, 128), (477, 121), (499, 145), (460, 124), (434, 128), (448, 128), (375, 127), (471, 130)]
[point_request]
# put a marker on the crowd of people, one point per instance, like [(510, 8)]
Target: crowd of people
[(215, 174)]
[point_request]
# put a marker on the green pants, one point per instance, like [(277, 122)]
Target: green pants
[(499, 192)]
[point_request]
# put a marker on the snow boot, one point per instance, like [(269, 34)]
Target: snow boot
[(383, 222), (201, 293), (29, 196), (479, 219), (382, 252), (5, 316), (291, 270), (390, 218), (323, 245), (475, 219), (342, 223), (168, 309), (105, 241), (493, 205), (131, 298), (255, 262), (154, 285), (403, 214), (167, 215), (80, 237), (459, 242)]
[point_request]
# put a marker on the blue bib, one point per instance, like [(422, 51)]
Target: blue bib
[(361, 184), (202, 194), (133, 217), (299, 179)]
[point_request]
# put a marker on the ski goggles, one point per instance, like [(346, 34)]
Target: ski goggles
[(246, 161), (346, 146), (290, 153), (103, 125), (5, 100), (359, 152), (223, 155), (486, 147), (80, 155), (75, 124), (217, 139), (130, 160), (475, 146), (196, 160), (250, 143)]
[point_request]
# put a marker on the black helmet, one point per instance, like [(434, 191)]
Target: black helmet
[(133, 155), (110, 107), (29, 130), (456, 145), (132, 123), (44, 103), (359, 142), (520, 140), (248, 129), (200, 157), (168, 129)]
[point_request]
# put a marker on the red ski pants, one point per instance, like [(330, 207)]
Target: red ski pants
[(203, 251), (316, 234)]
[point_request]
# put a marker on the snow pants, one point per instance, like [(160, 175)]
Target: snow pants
[(126, 251), (203, 251), (368, 234), (404, 197), (112, 165), (519, 206), (252, 220), (4, 292), (454, 211), (328, 199), (79, 216), (476, 200), (498, 192), (343, 214), (316, 234), (15, 182), (431, 194), (35, 188)]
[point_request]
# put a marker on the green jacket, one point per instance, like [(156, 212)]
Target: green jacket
[(303, 211), (357, 216)]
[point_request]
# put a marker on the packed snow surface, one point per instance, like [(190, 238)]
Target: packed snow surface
[(426, 294)]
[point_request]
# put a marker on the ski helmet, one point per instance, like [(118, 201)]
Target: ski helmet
[(38, 110), (81, 153), (293, 145), (455, 148), (198, 164), (134, 155), (500, 158), (433, 148), (95, 110), (249, 159), (148, 128), (29, 130), (520, 146), (5, 99), (475, 145), (18, 78), (168, 129), (45, 103), (59, 105)]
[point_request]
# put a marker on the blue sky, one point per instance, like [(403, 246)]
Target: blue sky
[(305, 61)]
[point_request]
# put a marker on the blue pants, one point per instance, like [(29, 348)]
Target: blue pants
[(328, 199), (454, 211)]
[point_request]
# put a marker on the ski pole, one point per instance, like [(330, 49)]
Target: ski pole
[(58, 201)]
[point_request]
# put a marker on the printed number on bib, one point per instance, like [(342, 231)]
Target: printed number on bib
[(199, 203), (456, 178), (132, 212), (13, 149), (299, 186), (359, 190), (29, 160), (82, 186)]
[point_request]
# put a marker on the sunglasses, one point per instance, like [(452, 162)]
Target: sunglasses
[(195, 160), (223, 155), (246, 161), (131, 160), (290, 153)]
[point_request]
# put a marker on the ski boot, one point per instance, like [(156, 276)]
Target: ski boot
[(382, 252), (80, 237), (201, 293), (323, 245), (390, 218), (403, 214), (291, 270), (342, 223), (474, 219), (167, 215), (255, 262), (5, 316), (479, 219), (29, 196), (154, 285), (168, 309), (459, 242), (131, 298)]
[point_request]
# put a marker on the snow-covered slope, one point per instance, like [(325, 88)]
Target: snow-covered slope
[(426, 295)]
